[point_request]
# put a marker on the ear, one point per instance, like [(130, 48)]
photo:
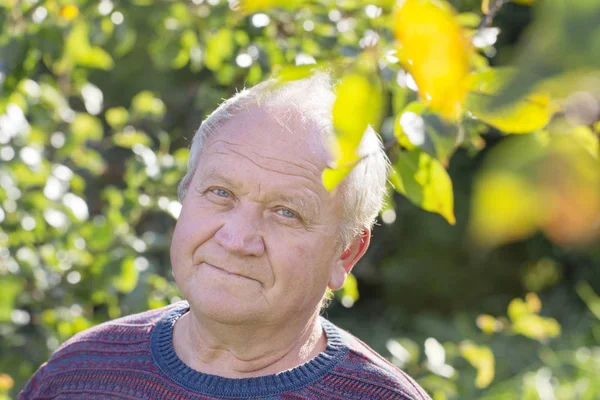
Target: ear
[(349, 257)]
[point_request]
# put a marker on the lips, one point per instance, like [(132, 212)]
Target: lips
[(223, 271)]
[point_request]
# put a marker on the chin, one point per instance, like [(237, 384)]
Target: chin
[(226, 308)]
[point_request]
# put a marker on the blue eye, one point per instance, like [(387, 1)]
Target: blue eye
[(284, 212), (221, 192)]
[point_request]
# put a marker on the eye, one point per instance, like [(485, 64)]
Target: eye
[(284, 212), (220, 192)]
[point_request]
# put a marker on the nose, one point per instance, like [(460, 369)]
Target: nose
[(240, 234)]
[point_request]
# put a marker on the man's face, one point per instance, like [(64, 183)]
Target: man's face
[(256, 237)]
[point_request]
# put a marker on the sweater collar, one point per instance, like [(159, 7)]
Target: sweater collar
[(167, 360)]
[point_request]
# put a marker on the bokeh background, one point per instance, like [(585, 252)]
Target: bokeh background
[(99, 101)]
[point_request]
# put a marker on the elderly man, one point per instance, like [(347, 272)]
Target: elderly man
[(258, 242)]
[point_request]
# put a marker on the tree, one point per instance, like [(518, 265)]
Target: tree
[(98, 100)]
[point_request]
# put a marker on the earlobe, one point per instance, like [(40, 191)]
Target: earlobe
[(349, 257)]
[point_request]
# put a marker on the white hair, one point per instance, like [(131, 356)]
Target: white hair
[(362, 192)]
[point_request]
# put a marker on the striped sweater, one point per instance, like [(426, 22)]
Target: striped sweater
[(133, 358)]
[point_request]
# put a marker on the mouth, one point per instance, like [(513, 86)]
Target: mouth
[(222, 271)]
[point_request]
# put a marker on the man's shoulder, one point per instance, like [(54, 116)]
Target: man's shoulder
[(365, 365), (126, 331)]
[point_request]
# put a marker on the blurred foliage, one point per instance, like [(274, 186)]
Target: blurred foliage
[(490, 112)]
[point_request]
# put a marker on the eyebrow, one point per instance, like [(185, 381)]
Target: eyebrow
[(213, 175)]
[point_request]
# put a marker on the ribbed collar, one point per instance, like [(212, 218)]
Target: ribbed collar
[(216, 386)]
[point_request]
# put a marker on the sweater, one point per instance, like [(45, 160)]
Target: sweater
[(133, 358)]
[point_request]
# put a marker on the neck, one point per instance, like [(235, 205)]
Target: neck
[(242, 351)]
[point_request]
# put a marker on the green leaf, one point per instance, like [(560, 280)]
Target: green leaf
[(294, 72), (482, 358), (146, 103), (425, 182), (417, 127), (589, 296), (86, 127), (10, 287), (127, 280), (79, 50), (348, 294), (117, 117), (129, 138), (564, 37), (529, 114), (219, 48)]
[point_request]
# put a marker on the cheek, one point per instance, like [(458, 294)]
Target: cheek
[(305, 261), (192, 229)]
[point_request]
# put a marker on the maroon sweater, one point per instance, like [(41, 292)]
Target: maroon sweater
[(133, 358)]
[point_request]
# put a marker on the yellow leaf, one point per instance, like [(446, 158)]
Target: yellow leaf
[(533, 303), (485, 6), (6, 382), (524, 2), (69, 12), (517, 308), (586, 139), (488, 324), (435, 51), (482, 358), (332, 177), (358, 104), (252, 6), (528, 114), (536, 327), (505, 208), (425, 182), (117, 117)]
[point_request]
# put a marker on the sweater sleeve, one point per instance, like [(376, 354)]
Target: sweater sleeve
[(34, 385)]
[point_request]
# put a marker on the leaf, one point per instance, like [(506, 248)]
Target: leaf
[(79, 50), (127, 280), (505, 208), (416, 127), (425, 182), (146, 103), (436, 53), (117, 117), (564, 37), (69, 12), (536, 327), (482, 358), (348, 294), (252, 6), (10, 287), (294, 72), (332, 177), (129, 138), (590, 298), (529, 114), (86, 127), (586, 139), (219, 48), (358, 104)]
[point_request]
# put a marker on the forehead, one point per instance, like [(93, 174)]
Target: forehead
[(281, 137)]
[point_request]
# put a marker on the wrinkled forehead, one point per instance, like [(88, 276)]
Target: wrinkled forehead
[(285, 133)]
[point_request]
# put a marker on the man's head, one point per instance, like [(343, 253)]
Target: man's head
[(259, 237)]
